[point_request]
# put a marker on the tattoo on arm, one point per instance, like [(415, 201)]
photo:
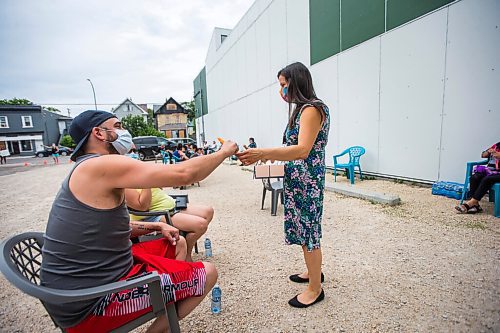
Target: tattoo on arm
[(143, 226)]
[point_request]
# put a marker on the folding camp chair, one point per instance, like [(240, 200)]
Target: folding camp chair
[(181, 201)]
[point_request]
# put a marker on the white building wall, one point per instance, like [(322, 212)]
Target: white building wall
[(422, 98)]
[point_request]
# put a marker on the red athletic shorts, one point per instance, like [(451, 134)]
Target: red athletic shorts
[(179, 280)]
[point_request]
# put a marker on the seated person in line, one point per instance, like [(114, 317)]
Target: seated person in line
[(87, 240), (251, 144), (200, 152), (194, 219), (482, 180), (166, 154), (180, 154), (133, 153), (212, 148)]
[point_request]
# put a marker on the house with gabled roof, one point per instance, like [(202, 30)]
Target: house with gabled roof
[(172, 119), (127, 107)]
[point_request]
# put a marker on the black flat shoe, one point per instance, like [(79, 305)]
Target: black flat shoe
[(296, 278), (296, 304)]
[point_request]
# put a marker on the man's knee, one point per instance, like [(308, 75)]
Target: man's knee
[(181, 246), (212, 274)]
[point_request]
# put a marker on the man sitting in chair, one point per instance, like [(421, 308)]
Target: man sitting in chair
[(87, 240), (194, 219)]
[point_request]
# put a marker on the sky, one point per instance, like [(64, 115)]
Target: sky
[(147, 50)]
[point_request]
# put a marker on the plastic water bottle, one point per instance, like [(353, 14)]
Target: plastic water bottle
[(216, 299), (208, 247)]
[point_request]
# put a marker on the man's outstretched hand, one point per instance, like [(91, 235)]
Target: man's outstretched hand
[(229, 148)]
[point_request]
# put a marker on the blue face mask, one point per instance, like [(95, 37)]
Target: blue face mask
[(284, 94)]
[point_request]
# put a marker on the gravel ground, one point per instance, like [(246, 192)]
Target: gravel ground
[(416, 267)]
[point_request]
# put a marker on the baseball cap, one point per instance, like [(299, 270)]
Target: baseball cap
[(82, 125)]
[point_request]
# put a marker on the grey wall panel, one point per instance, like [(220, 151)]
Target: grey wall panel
[(472, 98), (298, 31), (412, 70), (325, 79), (263, 50), (277, 37), (359, 101)]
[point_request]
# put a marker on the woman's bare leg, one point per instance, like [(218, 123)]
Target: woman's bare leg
[(194, 225), (313, 261)]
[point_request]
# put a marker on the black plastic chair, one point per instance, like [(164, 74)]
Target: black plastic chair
[(20, 261), (181, 201), (276, 189)]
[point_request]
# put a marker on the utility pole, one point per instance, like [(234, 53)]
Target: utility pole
[(93, 90)]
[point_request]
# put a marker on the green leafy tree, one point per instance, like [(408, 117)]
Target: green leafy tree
[(67, 141), (16, 101), (138, 127), (151, 118), (190, 107)]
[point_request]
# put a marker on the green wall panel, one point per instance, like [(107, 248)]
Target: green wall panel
[(200, 93), (402, 11), (324, 20), (361, 20)]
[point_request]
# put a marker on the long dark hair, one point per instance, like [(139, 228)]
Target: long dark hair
[(300, 90)]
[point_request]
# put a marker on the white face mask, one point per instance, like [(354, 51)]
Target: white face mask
[(123, 142)]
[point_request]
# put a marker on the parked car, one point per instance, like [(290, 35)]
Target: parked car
[(184, 141), (149, 146), (63, 151)]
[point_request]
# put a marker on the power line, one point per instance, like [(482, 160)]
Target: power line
[(93, 103)]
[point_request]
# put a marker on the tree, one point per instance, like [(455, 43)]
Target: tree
[(190, 107), (67, 141), (151, 117), (51, 109), (138, 127), (16, 101)]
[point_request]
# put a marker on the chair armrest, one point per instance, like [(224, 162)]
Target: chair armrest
[(470, 166), (177, 195), (51, 295), (477, 162), (149, 213), (165, 213), (339, 155)]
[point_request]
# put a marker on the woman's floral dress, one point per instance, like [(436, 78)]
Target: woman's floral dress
[(304, 184)]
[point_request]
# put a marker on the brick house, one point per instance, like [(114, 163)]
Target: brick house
[(172, 119)]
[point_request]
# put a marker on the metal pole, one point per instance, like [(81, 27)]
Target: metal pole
[(93, 90)]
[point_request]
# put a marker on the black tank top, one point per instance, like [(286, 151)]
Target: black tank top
[(83, 247)]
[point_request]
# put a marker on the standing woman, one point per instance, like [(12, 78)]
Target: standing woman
[(306, 136)]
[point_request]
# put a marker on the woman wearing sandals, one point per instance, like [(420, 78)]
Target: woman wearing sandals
[(306, 136), (481, 181)]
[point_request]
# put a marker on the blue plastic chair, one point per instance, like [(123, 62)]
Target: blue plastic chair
[(354, 156), (165, 157), (494, 192), (468, 173)]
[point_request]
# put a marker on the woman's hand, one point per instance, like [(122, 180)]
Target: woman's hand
[(250, 156), (170, 233)]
